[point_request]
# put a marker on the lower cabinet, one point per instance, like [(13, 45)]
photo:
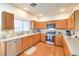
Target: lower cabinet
[(27, 42), (16, 46), (58, 40), (13, 47), (36, 38), (2, 48), (30, 40), (43, 37)]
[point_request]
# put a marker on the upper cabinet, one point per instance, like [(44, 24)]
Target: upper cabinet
[(7, 20), (71, 22), (33, 24), (61, 24), (40, 25), (76, 17), (37, 25)]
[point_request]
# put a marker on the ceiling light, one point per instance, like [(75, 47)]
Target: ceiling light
[(40, 15), (62, 10), (25, 8)]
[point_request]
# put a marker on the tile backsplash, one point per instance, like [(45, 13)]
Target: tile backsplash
[(61, 31), (76, 33)]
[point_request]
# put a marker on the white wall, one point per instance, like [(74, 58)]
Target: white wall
[(18, 13)]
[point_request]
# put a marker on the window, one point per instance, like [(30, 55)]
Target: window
[(26, 25), (17, 25), (20, 25)]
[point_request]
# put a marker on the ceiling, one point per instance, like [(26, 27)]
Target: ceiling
[(48, 9)]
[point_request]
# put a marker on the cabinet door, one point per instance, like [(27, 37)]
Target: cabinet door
[(61, 24), (25, 42), (36, 38), (77, 19), (40, 25), (58, 40), (30, 41), (11, 49), (71, 22), (2, 48), (33, 24), (43, 37), (7, 20)]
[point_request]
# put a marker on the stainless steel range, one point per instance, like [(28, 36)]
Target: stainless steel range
[(50, 35)]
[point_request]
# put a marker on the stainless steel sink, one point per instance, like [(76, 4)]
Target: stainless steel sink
[(3, 37)]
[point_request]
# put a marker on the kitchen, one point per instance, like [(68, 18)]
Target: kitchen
[(25, 31)]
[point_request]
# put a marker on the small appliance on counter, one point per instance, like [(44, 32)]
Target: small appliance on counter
[(38, 30), (68, 33)]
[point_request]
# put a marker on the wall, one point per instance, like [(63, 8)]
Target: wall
[(18, 13)]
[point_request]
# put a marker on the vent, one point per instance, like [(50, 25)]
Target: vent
[(33, 4)]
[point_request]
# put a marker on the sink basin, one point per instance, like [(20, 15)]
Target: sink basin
[(3, 37)]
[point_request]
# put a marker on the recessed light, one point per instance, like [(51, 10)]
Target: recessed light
[(40, 15), (26, 8), (62, 10)]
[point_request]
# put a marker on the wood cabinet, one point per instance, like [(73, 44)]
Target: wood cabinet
[(2, 48), (76, 17), (30, 40), (61, 24), (7, 20), (43, 37), (33, 24), (40, 25), (35, 38), (58, 40), (27, 42), (71, 22), (37, 25)]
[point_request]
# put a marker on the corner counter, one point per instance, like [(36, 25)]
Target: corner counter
[(72, 44)]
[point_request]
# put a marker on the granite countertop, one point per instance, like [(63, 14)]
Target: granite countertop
[(15, 36), (73, 44)]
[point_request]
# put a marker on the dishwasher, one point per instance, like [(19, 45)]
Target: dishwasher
[(13, 47)]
